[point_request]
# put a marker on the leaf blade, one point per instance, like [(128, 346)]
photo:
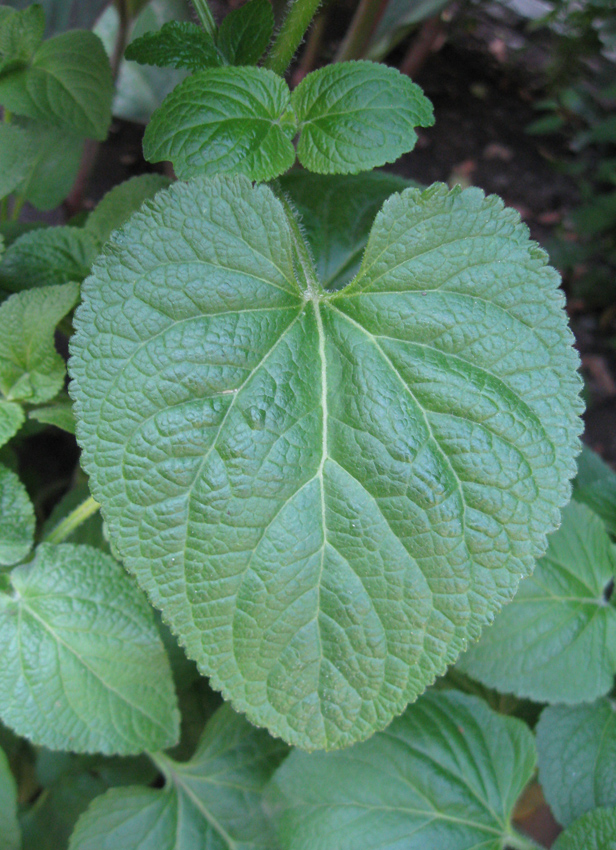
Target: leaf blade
[(16, 519), (177, 44), (244, 33)]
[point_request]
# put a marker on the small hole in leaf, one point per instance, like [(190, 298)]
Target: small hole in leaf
[(608, 590)]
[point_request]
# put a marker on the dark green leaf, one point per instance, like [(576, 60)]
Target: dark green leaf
[(444, 776), (10, 837), (577, 757), (16, 158), (16, 519), (595, 830), (595, 485), (47, 256), (212, 801), (21, 32), (90, 532), (354, 116), (245, 32), (76, 637), (399, 18), (225, 120), (121, 202), (327, 494), (67, 83), (53, 165), (31, 369), (11, 419), (178, 44), (560, 620), (59, 414)]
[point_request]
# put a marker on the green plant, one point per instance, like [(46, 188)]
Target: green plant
[(330, 422)]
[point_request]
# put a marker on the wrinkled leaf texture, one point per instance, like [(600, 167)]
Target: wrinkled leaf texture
[(327, 494)]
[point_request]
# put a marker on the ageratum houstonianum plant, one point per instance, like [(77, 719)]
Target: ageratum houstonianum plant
[(330, 418)]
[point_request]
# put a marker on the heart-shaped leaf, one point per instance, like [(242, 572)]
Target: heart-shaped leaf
[(326, 493)]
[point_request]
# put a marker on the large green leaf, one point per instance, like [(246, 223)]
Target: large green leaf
[(53, 164), (595, 485), (16, 157), (245, 32), (337, 213), (354, 116), (31, 369), (21, 32), (67, 83), (561, 620), (225, 119), (83, 666), (121, 202), (446, 775), (595, 830), (10, 838), (212, 802), (11, 419), (48, 256), (16, 519), (577, 757), (327, 494), (178, 44)]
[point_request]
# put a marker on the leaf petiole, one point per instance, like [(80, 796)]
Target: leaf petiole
[(66, 527), (290, 35), (205, 16)]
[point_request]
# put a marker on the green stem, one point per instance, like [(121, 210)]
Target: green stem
[(290, 35), (516, 841), (66, 527), (365, 20), (205, 16)]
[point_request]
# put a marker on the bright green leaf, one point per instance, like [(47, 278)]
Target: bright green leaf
[(48, 256), (12, 416), (16, 158), (327, 494), (76, 636), (595, 485), (60, 414), (212, 801), (10, 838), (16, 519), (121, 202), (30, 367), (244, 34), (21, 32), (224, 120), (595, 830), (337, 213), (354, 116), (446, 775), (560, 620), (177, 44), (53, 165), (577, 757), (67, 83)]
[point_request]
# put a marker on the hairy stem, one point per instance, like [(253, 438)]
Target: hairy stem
[(205, 16), (66, 527), (364, 23), (290, 35)]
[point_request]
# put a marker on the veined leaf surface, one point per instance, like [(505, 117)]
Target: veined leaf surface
[(16, 519), (327, 494), (595, 830)]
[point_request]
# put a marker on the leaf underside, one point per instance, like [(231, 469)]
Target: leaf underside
[(327, 494)]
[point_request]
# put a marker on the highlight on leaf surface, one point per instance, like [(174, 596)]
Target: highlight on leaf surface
[(328, 494)]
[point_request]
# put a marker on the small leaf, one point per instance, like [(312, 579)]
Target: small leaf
[(447, 774), (577, 758), (16, 519), (595, 485), (76, 637), (213, 800), (337, 213), (16, 158), (53, 165), (12, 416), (21, 32), (10, 836), (595, 830), (354, 116), (30, 367), (67, 83), (560, 620), (177, 44), (224, 120), (327, 494), (121, 202), (48, 256), (244, 34), (59, 414)]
